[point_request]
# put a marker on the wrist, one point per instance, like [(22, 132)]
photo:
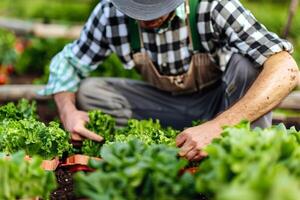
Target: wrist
[(65, 103), (213, 126), (224, 119), (228, 118), (67, 109)]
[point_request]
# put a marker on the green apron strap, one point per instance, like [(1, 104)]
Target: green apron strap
[(197, 45), (134, 35)]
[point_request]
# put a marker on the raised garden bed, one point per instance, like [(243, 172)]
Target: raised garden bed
[(141, 160)]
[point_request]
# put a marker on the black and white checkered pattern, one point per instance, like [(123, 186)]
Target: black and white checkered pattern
[(224, 26)]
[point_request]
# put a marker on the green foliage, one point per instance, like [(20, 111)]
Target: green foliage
[(148, 131), (101, 124), (22, 110), (22, 179), (34, 137), (252, 164), (113, 67), (44, 78), (280, 112), (38, 55), (56, 10), (7, 53), (20, 130), (134, 170)]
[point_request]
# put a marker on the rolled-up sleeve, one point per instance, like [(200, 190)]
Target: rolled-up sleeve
[(242, 33), (79, 58)]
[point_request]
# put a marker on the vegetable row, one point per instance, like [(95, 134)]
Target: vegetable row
[(140, 161)]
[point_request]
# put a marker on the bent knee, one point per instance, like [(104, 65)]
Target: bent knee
[(243, 70)]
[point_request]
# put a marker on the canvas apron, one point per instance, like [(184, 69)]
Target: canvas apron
[(202, 73)]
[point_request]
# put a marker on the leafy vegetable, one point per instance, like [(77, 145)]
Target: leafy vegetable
[(20, 130), (134, 170), (22, 110), (148, 131), (22, 179), (252, 164), (34, 137), (101, 124)]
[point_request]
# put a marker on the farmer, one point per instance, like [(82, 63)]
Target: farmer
[(208, 60)]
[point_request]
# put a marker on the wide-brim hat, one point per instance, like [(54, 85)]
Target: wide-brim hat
[(146, 9)]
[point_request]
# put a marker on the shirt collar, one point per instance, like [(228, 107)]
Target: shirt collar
[(179, 12)]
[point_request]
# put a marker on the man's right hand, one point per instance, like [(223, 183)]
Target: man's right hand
[(74, 120)]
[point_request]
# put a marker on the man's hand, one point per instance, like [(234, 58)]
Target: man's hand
[(193, 139), (74, 122)]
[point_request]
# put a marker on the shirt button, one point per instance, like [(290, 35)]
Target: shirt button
[(164, 64)]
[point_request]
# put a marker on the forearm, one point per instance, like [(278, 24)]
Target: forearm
[(278, 77), (65, 102)]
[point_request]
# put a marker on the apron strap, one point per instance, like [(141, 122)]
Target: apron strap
[(191, 11), (134, 36)]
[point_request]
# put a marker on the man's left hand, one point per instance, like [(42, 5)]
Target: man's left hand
[(193, 139)]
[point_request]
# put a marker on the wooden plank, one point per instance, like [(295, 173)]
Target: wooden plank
[(286, 119), (22, 27), (18, 26), (56, 31), (292, 101), (16, 92)]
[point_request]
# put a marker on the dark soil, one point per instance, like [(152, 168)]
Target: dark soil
[(65, 189), (65, 181)]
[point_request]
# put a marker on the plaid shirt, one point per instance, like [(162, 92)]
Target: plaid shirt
[(224, 26)]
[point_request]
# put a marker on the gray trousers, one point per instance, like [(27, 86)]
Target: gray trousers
[(124, 99)]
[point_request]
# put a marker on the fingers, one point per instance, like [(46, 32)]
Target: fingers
[(76, 137), (203, 154), (82, 131), (190, 151), (188, 146), (185, 149), (199, 156), (192, 154), (180, 139), (195, 155)]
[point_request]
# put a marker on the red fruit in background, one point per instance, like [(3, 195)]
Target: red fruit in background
[(20, 46), (10, 69), (3, 79)]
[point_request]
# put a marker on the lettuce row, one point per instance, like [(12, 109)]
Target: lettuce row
[(134, 170), (252, 164), (20, 130), (21, 179)]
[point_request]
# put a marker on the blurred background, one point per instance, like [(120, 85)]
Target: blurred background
[(41, 28), (29, 55)]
